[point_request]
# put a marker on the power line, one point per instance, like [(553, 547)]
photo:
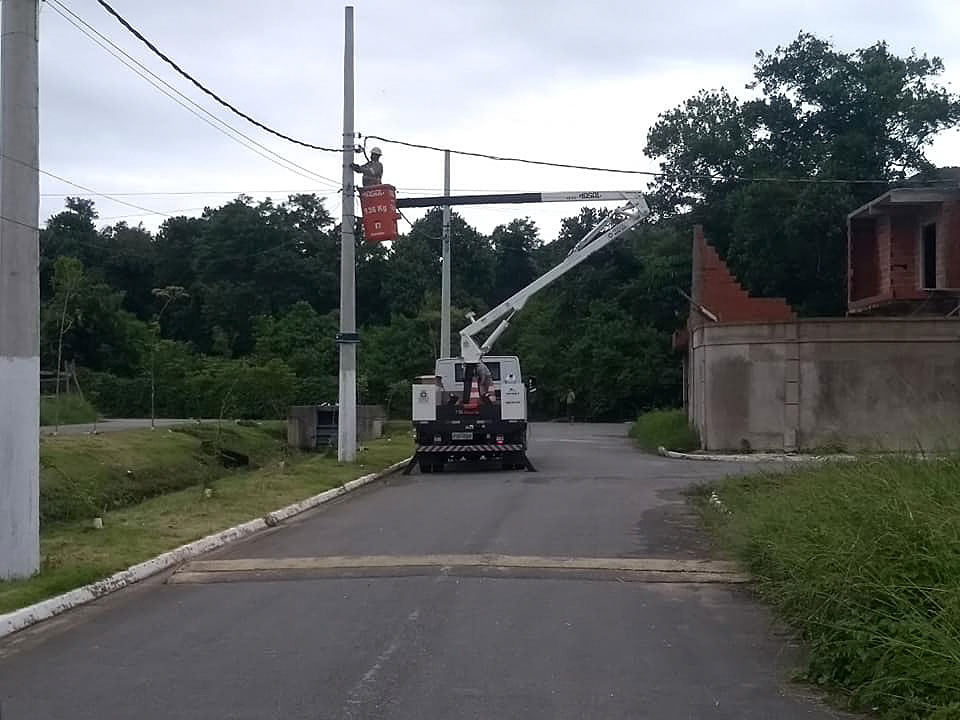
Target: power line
[(620, 171), (173, 213), (136, 33), (88, 30), (17, 222), (198, 192), (81, 187)]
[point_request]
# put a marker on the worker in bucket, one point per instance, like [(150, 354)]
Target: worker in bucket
[(485, 384), (372, 169)]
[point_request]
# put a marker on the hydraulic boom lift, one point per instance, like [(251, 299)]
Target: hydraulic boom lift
[(475, 407)]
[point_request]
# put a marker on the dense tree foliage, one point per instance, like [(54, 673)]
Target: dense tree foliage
[(235, 311), (821, 114)]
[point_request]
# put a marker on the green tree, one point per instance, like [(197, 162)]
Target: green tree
[(130, 266), (70, 233), (164, 296), (304, 340), (514, 245), (820, 114)]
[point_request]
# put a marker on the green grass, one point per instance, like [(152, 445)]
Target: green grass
[(73, 410), (664, 428), (75, 554), (864, 560), (82, 476)]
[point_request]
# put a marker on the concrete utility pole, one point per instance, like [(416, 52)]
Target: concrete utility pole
[(19, 291), (347, 339), (445, 279)]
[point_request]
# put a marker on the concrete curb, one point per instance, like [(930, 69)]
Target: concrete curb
[(24, 617), (754, 457)]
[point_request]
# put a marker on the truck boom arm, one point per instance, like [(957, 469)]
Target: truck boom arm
[(618, 222)]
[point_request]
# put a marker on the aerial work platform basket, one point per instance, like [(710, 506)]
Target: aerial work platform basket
[(379, 207)]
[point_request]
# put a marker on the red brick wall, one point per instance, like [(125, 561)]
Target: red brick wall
[(883, 252), (718, 291), (864, 260), (904, 270), (950, 227)]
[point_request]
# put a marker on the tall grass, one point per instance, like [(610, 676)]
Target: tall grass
[(665, 428), (865, 561), (82, 476), (73, 410)]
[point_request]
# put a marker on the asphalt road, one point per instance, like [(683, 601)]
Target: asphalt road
[(112, 425), (441, 640)]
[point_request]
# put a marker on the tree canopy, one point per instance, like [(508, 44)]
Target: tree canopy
[(770, 175), (744, 167)]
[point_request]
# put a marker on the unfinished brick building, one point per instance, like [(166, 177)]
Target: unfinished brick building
[(904, 249), (758, 378)]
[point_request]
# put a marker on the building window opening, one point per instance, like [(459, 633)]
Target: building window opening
[(929, 256)]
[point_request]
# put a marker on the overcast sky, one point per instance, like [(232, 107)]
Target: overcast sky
[(575, 82)]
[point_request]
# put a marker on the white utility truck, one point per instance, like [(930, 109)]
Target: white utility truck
[(474, 407)]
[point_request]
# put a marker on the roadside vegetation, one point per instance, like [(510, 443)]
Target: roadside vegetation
[(176, 491), (665, 428), (864, 560), (73, 410)]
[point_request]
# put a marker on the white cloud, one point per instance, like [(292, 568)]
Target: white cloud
[(565, 81)]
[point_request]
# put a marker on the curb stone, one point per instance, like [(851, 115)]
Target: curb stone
[(45, 609)]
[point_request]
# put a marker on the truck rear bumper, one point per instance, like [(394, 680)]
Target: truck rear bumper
[(464, 449)]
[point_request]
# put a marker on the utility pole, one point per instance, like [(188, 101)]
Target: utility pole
[(445, 269), (19, 291), (348, 338)]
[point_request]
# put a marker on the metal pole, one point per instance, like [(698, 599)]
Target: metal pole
[(19, 291), (445, 270), (347, 418)]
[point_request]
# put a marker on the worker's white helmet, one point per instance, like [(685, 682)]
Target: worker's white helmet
[(376, 151)]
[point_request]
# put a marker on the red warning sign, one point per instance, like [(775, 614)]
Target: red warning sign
[(379, 207)]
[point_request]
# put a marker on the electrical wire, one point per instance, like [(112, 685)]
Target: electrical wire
[(173, 213), (137, 34), (93, 34), (28, 226), (198, 192), (620, 171), (91, 191)]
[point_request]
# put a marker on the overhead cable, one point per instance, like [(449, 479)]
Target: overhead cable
[(81, 187), (136, 33), (93, 34), (624, 171)]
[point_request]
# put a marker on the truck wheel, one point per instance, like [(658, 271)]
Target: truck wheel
[(426, 467)]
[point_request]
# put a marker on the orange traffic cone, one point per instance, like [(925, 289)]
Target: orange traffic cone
[(474, 402)]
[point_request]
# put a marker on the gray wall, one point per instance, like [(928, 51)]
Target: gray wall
[(871, 383)]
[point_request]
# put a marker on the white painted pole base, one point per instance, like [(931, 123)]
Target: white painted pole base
[(19, 467)]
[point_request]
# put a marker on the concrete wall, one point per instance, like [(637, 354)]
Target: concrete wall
[(304, 432), (870, 383)]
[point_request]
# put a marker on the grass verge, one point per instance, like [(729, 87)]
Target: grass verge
[(864, 560), (664, 428), (84, 476), (73, 410), (75, 554)]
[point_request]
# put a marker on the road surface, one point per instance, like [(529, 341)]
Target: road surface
[(114, 425), (394, 610)]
